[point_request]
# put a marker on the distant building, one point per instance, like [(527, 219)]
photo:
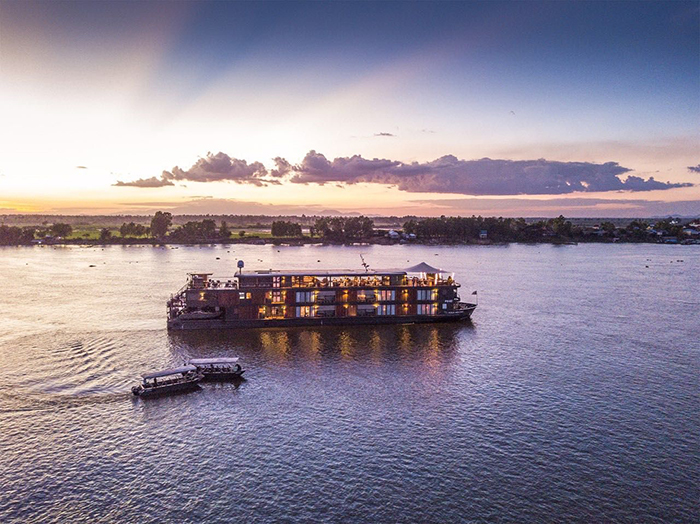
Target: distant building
[(393, 235), (483, 234)]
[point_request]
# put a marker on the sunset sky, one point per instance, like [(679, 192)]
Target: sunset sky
[(429, 108)]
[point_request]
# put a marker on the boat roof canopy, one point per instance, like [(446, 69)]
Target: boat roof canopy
[(212, 361), (173, 371), (424, 268)]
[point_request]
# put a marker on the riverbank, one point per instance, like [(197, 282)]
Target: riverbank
[(282, 241), (164, 228)]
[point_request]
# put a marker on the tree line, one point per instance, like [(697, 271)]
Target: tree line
[(519, 230), (361, 228), (342, 229)]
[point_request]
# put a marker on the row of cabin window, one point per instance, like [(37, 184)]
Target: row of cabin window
[(384, 309), (384, 295)]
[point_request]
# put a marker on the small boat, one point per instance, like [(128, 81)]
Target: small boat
[(185, 378), (218, 368)]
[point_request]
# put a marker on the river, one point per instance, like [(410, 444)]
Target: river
[(573, 396)]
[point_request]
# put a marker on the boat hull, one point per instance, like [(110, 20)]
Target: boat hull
[(179, 324), (170, 389), (223, 376)]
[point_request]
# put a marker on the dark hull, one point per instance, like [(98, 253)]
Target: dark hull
[(220, 377), (187, 324), (169, 389)]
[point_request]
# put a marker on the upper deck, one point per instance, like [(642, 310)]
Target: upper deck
[(421, 275)]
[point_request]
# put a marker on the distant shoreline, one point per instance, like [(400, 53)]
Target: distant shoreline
[(164, 229), (290, 242)]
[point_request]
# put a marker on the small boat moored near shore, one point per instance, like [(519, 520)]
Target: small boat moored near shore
[(185, 378), (218, 368)]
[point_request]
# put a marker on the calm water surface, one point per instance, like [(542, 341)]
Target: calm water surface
[(574, 396)]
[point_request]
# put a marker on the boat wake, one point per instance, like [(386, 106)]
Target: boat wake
[(61, 369)]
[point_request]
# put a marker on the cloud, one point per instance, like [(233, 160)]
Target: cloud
[(283, 168), (80, 167), (449, 174), (216, 168), (384, 134), (220, 167), (145, 182), (694, 169)]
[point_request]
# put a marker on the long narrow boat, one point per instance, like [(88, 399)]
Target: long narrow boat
[(270, 298), (218, 368), (174, 380)]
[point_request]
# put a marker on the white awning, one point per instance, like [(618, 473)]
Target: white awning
[(212, 361), (165, 372), (424, 268)]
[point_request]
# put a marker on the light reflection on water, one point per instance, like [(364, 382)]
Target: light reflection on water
[(574, 395)]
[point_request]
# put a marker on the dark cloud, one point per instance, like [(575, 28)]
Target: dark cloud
[(449, 174), (384, 134), (694, 169), (220, 167), (145, 182), (216, 168), (283, 167)]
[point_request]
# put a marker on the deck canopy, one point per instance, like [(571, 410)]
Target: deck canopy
[(424, 268), (212, 361), (173, 371)]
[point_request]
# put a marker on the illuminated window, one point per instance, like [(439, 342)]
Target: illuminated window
[(427, 294), (277, 311), (304, 297), (387, 295), (366, 296), (426, 309), (386, 309), (304, 311)]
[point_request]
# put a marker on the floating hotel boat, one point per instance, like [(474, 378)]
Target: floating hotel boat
[(218, 368), (184, 378), (270, 298)]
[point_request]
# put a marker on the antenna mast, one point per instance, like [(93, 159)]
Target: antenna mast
[(364, 264)]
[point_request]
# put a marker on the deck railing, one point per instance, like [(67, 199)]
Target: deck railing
[(323, 283)]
